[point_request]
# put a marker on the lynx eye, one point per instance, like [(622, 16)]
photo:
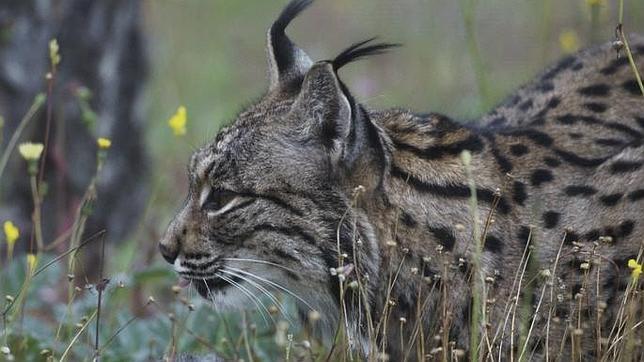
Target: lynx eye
[(217, 199)]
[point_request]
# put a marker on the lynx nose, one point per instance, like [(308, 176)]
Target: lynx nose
[(170, 243), (169, 254)]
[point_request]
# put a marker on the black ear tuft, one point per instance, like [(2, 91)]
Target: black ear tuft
[(360, 50), (290, 12), (286, 60)]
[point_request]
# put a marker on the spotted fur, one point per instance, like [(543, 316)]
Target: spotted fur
[(308, 180)]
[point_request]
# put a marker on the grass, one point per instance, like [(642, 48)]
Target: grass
[(136, 313)]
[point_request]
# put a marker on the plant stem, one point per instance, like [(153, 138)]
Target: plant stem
[(546, 26), (468, 9), (36, 216), (476, 277), (629, 54), (79, 223), (594, 22), (118, 331), (35, 107), (71, 343), (51, 79), (100, 287), (44, 267)]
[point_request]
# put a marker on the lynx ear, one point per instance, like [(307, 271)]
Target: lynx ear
[(325, 105), (322, 108), (285, 60)]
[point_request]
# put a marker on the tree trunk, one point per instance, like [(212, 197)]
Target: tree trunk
[(102, 51)]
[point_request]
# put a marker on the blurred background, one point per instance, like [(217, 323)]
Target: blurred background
[(209, 56), (459, 58)]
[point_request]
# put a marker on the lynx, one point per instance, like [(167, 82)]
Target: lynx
[(379, 221)]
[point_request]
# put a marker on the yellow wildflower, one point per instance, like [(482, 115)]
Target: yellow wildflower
[(569, 41), (30, 151), (637, 268), (178, 121), (103, 143), (11, 232), (32, 261)]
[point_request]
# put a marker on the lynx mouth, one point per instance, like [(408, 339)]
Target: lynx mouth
[(209, 287)]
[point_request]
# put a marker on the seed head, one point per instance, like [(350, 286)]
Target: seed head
[(54, 55), (545, 273), (314, 315)]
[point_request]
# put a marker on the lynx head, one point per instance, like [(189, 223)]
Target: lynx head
[(270, 199)]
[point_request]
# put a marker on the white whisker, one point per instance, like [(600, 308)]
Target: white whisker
[(210, 296), (274, 284), (262, 262), (260, 306), (270, 295)]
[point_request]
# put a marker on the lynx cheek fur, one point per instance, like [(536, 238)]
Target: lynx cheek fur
[(309, 181)]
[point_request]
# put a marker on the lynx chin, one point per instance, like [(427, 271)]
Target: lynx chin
[(365, 215)]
